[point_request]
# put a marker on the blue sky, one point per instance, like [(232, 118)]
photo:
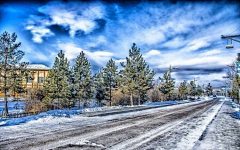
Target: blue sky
[(183, 34)]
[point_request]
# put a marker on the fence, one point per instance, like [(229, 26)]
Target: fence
[(18, 115)]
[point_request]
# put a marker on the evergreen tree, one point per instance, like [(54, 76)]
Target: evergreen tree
[(19, 74), (110, 79), (192, 88), (58, 85), (144, 79), (99, 87), (11, 70), (136, 77), (167, 85), (209, 89), (199, 90), (182, 90), (83, 79), (128, 75)]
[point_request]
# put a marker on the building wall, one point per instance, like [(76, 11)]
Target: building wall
[(39, 77)]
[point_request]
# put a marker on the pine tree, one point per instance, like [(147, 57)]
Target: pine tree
[(83, 79), (199, 90), (18, 74), (99, 87), (12, 70), (167, 85), (182, 90), (50, 89), (144, 79), (110, 78), (209, 89), (135, 76), (192, 88), (58, 84)]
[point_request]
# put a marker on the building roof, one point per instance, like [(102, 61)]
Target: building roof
[(38, 67)]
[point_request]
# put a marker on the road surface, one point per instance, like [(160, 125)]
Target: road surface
[(171, 127)]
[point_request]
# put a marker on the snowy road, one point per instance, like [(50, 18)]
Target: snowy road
[(171, 127)]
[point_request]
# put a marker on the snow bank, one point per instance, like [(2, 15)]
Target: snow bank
[(68, 113), (236, 107), (52, 114)]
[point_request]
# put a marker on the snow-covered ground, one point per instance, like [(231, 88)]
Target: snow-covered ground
[(126, 131), (204, 125), (51, 115), (13, 106), (236, 107), (186, 133), (66, 113), (224, 132)]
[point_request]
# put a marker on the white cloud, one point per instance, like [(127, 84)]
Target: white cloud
[(72, 17), (97, 41), (39, 32), (71, 51), (151, 53), (196, 44), (149, 36), (211, 52), (175, 43)]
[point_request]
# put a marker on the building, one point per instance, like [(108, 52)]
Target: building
[(40, 72)]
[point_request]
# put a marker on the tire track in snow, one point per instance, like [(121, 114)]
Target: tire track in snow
[(91, 135), (214, 115), (67, 127), (74, 132), (136, 142)]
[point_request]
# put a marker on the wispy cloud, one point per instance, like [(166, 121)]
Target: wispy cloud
[(211, 52)]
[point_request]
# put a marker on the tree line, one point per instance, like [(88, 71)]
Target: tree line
[(66, 85)]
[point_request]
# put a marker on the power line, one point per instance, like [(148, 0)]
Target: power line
[(234, 30)]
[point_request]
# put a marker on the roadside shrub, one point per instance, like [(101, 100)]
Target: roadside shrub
[(155, 95)]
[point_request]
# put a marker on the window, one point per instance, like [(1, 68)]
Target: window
[(40, 80), (29, 80)]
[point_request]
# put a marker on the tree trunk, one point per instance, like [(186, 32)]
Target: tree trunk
[(5, 86), (5, 103), (131, 99), (139, 98), (79, 103), (110, 96)]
